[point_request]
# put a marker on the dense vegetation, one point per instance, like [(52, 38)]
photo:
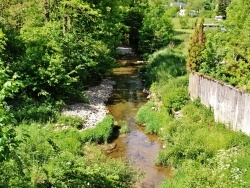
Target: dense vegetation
[(203, 153), (50, 156), (226, 52), (49, 52), (51, 49)]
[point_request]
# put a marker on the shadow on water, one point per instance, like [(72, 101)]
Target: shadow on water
[(136, 146)]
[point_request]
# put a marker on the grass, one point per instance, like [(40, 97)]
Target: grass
[(191, 22), (58, 158), (204, 153), (100, 133), (124, 129), (72, 121)]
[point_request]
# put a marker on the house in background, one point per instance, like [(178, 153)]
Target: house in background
[(182, 11), (180, 5)]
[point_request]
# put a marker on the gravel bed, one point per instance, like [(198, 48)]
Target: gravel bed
[(95, 111)]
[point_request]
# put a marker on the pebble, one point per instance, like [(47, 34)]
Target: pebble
[(95, 111)]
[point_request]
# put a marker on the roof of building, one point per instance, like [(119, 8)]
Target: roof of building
[(178, 4)]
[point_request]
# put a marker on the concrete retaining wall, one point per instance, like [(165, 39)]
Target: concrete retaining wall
[(230, 105)]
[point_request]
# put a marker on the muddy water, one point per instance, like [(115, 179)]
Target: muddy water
[(136, 146)]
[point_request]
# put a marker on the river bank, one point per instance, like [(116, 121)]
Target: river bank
[(95, 111)]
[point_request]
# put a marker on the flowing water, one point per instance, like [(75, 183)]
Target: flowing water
[(136, 146)]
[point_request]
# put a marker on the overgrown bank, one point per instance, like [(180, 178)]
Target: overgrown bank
[(51, 156), (202, 153)]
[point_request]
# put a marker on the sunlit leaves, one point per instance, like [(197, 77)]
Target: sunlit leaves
[(157, 30)]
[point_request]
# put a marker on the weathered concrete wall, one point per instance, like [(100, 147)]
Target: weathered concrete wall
[(230, 105)]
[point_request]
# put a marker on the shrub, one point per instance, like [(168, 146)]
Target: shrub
[(174, 94), (31, 110), (164, 65), (57, 158)]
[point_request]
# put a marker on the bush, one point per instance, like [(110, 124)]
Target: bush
[(57, 158), (31, 110), (183, 22), (164, 65), (174, 94), (153, 120)]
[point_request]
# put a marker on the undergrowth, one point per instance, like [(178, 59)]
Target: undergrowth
[(52, 156), (203, 153)]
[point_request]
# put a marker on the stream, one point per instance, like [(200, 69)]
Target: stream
[(139, 148)]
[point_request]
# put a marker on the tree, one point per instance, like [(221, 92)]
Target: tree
[(133, 20), (238, 25), (157, 30), (57, 46), (195, 47), (222, 7)]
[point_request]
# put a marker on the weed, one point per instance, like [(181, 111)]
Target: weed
[(100, 133), (124, 129), (72, 121)]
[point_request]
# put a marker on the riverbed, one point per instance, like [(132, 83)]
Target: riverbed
[(139, 148)]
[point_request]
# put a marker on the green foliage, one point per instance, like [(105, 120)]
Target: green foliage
[(153, 120), (8, 142), (3, 40), (220, 171), (226, 53), (164, 65), (124, 129), (178, 96), (195, 47), (222, 7), (190, 147), (134, 20), (172, 11), (9, 83), (31, 110), (237, 25), (212, 53), (157, 30), (183, 22), (57, 158), (72, 121), (56, 47), (101, 132)]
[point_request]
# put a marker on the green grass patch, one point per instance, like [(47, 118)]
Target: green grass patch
[(49, 157), (101, 132), (153, 120), (164, 65), (124, 129), (67, 120), (204, 153)]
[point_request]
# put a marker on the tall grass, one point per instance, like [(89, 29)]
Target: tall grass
[(100, 133), (164, 65), (51, 157), (203, 153)]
